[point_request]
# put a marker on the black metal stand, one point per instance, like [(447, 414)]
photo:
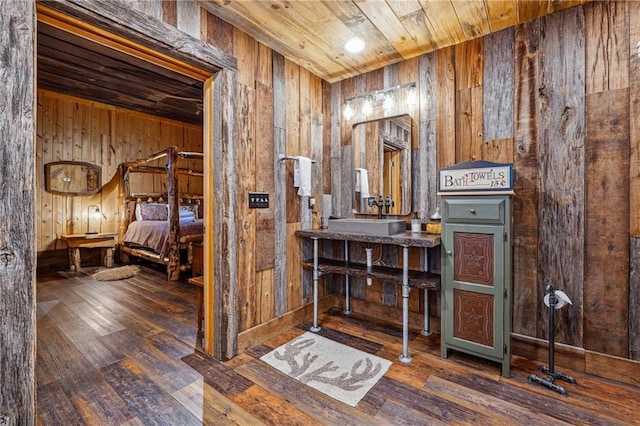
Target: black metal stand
[(552, 375)]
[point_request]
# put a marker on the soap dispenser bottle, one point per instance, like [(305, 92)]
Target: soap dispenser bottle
[(416, 224), (434, 226)]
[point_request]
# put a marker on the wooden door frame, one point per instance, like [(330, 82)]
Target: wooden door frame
[(126, 29), (17, 230)]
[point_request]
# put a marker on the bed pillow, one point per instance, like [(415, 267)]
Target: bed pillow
[(186, 216), (189, 208), (153, 211)]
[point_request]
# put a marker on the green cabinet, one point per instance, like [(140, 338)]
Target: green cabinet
[(476, 275)]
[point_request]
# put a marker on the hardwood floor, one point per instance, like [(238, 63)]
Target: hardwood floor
[(123, 353)]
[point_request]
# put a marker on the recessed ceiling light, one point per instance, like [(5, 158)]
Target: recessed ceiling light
[(354, 45)]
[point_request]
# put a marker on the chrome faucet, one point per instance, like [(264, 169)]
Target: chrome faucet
[(378, 202)]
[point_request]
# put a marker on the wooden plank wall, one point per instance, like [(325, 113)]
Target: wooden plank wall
[(634, 183), (561, 166), (17, 254), (70, 128), (558, 141), (526, 182), (552, 96), (280, 111), (607, 149)]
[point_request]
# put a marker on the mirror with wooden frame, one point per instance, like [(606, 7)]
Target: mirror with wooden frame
[(72, 178), (382, 165)]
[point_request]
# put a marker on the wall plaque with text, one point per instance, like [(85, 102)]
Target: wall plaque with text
[(476, 176)]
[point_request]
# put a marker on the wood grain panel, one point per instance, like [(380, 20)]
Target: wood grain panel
[(475, 18), (264, 176), (152, 404), (45, 201), (304, 123), (317, 148), (526, 182), (607, 148), (443, 30), (336, 148), (218, 33), (248, 290), (170, 13), (425, 167), (245, 49), (556, 6), (446, 110), (415, 22), (498, 85), (634, 299), (634, 110), (498, 150), (384, 18), (502, 14), (17, 253), (151, 8), (327, 129), (280, 182), (607, 243), (562, 163), (264, 71), (634, 186), (469, 65), (294, 268), (188, 18), (292, 133), (607, 43), (528, 10), (466, 148), (264, 279), (224, 302)]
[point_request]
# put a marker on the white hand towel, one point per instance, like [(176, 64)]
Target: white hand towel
[(302, 176), (364, 183)]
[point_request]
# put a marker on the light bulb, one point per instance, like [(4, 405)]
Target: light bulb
[(411, 96), (348, 111), (388, 102), (367, 107)]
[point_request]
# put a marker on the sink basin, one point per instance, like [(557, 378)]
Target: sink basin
[(368, 226)]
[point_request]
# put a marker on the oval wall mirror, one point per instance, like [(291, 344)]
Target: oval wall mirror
[(382, 165), (72, 178)]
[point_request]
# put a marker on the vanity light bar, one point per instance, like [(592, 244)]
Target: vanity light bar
[(374, 95), (377, 96)]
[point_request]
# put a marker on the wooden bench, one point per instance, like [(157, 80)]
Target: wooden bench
[(104, 241)]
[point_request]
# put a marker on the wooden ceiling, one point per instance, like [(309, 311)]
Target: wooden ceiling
[(308, 32), (312, 33), (76, 66)]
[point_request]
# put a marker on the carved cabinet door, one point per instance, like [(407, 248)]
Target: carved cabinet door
[(474, 289)]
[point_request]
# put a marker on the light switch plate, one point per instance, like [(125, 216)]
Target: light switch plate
[(258, 200)]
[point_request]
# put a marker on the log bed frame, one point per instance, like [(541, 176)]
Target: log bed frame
[(173, 199)]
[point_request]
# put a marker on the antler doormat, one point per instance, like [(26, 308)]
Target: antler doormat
[(342, 372)]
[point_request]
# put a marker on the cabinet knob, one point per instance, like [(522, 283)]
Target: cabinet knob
[(449, 252), (472, 211)]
